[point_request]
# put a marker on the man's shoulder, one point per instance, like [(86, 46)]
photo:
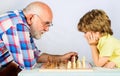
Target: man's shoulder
[(10, 14), (6, 20)]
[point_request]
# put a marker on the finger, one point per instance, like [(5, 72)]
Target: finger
[(90, 36), (94, 36), (74, 58)]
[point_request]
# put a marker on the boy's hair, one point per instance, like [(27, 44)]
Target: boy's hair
[(96, 21)]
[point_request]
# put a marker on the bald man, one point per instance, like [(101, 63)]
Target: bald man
[(17, 30)]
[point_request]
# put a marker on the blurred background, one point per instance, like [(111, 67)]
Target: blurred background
[(63, 36)]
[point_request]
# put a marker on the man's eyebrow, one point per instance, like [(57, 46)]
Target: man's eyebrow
[(47, 22)]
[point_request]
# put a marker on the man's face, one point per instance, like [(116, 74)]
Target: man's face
[(39, 26)]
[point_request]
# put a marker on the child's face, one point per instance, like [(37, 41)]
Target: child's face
[(92, 37)]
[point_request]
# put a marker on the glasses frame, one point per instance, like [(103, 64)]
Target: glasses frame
[(49, 24)]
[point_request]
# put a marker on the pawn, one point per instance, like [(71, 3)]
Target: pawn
[(69, 65), (83, 62), (78, 64)]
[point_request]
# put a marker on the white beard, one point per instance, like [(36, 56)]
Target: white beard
[(37, 36)]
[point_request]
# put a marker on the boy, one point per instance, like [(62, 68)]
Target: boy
[(96, 26)]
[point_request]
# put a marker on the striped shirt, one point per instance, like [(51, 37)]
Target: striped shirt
[(16, 42)]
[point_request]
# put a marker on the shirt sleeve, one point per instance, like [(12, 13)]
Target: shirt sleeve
[(37, 52), (5, 56)]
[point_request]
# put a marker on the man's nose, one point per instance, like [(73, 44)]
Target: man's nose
[(46, 29)]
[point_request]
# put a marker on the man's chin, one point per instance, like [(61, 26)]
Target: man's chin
[(37, 37)]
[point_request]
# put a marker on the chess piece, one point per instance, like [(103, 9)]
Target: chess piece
[(78, 64), (69, 65), (73, 62), (83, 62)]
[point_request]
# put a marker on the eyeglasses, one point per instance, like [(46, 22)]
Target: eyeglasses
[(47, 23)]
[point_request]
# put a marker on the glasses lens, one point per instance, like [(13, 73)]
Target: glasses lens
[(49, 24)]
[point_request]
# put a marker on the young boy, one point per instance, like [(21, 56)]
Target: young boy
[(96, 26)]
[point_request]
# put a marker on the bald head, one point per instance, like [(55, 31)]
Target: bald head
[(39, 8)]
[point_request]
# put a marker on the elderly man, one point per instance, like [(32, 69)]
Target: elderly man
[(17, 30)]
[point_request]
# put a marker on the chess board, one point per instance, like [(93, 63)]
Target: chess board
[(74, 65), (65, 70)]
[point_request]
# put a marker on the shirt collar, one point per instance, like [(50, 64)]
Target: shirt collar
[(24, 18)]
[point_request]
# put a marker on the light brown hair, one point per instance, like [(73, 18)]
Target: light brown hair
[(96, 21)]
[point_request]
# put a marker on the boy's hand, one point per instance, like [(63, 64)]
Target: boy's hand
[(92, 38)]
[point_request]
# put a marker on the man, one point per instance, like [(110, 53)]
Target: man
[(17, 30)]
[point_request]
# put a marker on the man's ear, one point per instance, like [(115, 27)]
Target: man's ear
[(29, 19)]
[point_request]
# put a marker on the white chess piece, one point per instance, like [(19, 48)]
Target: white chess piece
[(78, 64), (74, 63), (69, 65), (83, 62)]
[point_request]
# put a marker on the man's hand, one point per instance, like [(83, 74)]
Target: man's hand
[(68, 56), (48, 57)]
